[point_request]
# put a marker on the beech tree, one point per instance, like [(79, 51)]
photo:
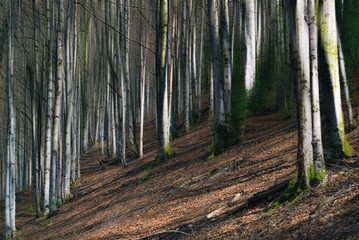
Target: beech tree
[(328, 33), (10, 206), (80, 84), (164, 149)]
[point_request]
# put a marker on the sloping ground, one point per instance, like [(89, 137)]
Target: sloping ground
[(114, 203)]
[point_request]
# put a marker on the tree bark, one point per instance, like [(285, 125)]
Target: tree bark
[(10, 205), (250, 41), (328, 33), (164, 149), (318, 156), (55, 155)]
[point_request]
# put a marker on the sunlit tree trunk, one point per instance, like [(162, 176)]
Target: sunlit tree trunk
[(69, 107), (328, 32), (48, 139), (131, 125), (10, 227), (318, 157), (55, 155), (164, 149), (143, 86), (250, 43)]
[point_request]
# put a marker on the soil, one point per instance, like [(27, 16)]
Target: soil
[(110, 202)]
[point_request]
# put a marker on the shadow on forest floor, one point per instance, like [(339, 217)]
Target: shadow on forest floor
[(115, 203)]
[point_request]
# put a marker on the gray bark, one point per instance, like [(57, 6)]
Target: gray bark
[(10, 205)]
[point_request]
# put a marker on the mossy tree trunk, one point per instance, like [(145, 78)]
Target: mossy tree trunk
[(328, 33)]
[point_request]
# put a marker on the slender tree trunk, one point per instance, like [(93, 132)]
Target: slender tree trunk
[(164, 149), (185, 79), (218, 88), (199, 78), (55, 155), (227, 63), (143, 85), (131, 124), (318, 156), (49, 111), (250, 41), (69, 107), (10, 205), (352, 122), (35, 99)]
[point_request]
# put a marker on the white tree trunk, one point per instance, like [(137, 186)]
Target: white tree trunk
[(227, 63), (328, 31), (48, 139), (11, 145), (69, 108), (250, 42), (305, 153), (318, 157), (162, 81), (55, 155)]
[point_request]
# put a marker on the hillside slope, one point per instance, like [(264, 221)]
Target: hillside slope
[(110, 202)]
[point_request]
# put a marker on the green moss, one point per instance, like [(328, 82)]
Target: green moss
[(28, 209), (168, 151), (347, 149), (145, 178), (292, 192), (210, 156)]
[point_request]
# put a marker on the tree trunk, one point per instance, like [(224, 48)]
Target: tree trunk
[(352, 122), (185, 79), (227, 63), (318, 157), (69, 107), (49, 111), (250, 42), (131, 124), (55, 155), (10, 205), (164, 149), (218, 88), (199, 78), (143, 85), (35, 100), (328, 32)]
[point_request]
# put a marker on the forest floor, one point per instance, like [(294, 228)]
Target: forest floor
[(110, 202)]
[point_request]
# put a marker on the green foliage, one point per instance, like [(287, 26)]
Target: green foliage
[(349, 29), (74, 231), (273, 89)]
